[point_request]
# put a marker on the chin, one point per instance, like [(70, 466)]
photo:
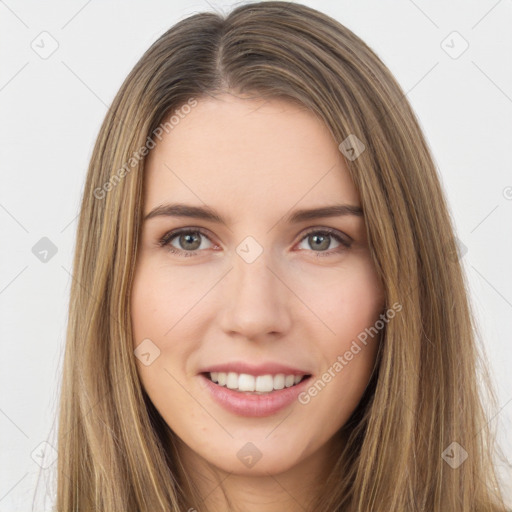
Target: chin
[(267, 461)]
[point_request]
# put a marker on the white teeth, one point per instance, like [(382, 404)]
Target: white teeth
[(289, 381), (259, 384), (232, 381), (264, 383), (279, 381), (246, 382)]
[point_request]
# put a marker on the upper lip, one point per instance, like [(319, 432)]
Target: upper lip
[(269, 368)]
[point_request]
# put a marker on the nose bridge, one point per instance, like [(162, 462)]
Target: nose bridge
[(254, 278), (256, 302)]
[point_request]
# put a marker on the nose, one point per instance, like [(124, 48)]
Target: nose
[(255, 303)]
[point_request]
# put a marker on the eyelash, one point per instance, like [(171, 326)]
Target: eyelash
[(168, 237)]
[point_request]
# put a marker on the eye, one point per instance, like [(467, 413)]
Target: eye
[(320, 240), (188, 241)]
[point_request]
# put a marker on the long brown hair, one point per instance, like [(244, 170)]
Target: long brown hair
[(114, 450)]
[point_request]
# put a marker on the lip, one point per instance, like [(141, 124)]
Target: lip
[(255, 406), (269, 368)]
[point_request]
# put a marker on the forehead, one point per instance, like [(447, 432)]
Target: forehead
[(248, 153)]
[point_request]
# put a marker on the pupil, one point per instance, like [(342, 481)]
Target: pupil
[(189, 239), (322, 238)]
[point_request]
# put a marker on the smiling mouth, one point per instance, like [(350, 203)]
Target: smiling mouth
[(255, 385)]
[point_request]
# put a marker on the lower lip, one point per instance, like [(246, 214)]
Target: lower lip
[(256, 406)]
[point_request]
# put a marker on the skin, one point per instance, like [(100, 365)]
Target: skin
[(254, 162)]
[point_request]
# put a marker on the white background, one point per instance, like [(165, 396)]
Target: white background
[(51, 110)]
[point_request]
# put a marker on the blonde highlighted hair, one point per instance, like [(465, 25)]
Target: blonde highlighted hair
[(115, 452)]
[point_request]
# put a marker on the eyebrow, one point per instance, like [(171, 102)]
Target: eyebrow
[(207, 213)]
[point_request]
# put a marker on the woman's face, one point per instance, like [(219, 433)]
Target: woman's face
[(250, 286)]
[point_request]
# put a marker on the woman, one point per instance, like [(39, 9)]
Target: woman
[(268, 312)]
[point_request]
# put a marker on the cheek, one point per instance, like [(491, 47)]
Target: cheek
[(159, 300), (157, 305), (154, 315), (351, 308), (147, 303), (351, 300)]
